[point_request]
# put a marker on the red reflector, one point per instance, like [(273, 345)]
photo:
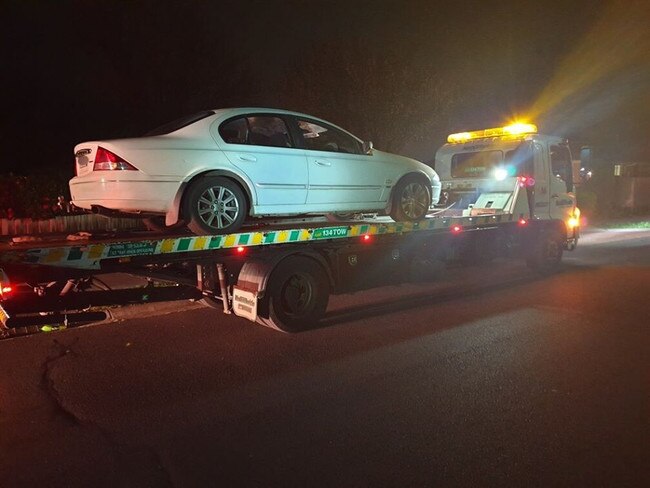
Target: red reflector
[(526, 181), (105, 160), (366, 238), (456, 229), (522, 222), (241, 249)]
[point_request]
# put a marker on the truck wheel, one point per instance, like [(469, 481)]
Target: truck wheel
[(215, 205), (296, 295), (545, 254), (426, 268), (411, 200)]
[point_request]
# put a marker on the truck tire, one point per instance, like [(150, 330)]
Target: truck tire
[(545, 254), (411, 199), (296, 295), (426, 267), (214, 205)]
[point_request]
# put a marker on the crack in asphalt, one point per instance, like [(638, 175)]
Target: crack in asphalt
[(47, 383), (119, 450)]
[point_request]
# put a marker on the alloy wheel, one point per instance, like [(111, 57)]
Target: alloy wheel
[(415, 200), (218, 207)]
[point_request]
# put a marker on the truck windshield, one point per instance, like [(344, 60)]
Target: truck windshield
[(481, 164)]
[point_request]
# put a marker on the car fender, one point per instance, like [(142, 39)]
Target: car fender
[(417, 173), (174, 213)]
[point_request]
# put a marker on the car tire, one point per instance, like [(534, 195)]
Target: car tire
[(342, 216), (296, 295), (411, 199), (215, 205)]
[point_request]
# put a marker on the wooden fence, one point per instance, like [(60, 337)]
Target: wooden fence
[(67, 223)]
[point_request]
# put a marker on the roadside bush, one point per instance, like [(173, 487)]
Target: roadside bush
[(37, 196)]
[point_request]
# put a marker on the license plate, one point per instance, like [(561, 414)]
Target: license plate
[(244, 303)]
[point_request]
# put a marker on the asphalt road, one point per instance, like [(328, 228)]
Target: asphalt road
[(491, 377)]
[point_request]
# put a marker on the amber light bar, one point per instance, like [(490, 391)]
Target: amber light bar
[(508, 130)]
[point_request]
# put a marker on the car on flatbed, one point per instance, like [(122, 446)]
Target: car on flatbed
[(215, 169)]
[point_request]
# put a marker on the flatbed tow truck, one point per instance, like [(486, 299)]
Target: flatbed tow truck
[(507, 194)]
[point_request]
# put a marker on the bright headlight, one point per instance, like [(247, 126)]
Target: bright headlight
[(500, 174)]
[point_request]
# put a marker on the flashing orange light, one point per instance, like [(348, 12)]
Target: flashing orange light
[(516, 129), (574, 220)]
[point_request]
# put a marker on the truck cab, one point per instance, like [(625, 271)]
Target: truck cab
[(511, 169)]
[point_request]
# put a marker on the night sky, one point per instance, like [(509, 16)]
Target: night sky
[(402, 74)]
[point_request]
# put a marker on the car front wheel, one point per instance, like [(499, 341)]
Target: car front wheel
[(411, 200), (215, 205)]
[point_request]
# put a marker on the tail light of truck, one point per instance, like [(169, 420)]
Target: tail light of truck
[(526, 181), (106, 160), (456, 229)]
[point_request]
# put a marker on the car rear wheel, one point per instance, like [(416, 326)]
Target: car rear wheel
[(411, 200), (215, 205)]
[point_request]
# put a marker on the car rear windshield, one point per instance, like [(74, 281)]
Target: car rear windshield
[(179, 123)]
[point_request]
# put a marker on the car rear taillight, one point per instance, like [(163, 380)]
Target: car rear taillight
[(105, 160)]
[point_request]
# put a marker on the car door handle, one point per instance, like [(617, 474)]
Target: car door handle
[(322, 162), (247, 157)]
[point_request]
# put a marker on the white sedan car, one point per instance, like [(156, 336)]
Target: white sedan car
[(213, 170)]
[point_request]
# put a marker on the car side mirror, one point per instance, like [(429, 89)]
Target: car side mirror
[(367, 147)]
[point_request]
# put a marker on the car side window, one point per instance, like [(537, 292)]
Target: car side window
[(256, 130), (318, 137), (234, 131)]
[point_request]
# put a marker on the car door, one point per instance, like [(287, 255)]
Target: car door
[(262, 147), (339, 172)]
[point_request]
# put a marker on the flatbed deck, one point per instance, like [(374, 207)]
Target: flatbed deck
[(88, 253)]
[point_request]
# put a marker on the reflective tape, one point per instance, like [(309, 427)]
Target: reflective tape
[(90, 256)]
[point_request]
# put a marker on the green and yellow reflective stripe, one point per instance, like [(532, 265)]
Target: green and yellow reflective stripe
[(90, 255)]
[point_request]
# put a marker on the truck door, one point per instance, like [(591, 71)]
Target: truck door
[(562, 199), (541, 175)]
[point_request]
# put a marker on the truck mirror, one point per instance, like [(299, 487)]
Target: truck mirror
[(585, 156)]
